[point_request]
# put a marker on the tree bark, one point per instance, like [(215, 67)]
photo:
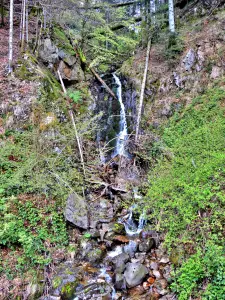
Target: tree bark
[(11, 36), (143, 90), (171, 16), (23, 16)]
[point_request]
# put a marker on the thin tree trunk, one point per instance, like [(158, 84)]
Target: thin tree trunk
[(75, 127), (152, 11), (2, 13), (23, 25), (143, 90), (171, 16), (27, 24), (11, 36)]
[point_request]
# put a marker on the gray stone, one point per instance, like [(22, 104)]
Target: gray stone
[(48, 52), (189, 60), (73, 73), (131, 248), (76, 211), (135, 274), (146, 246), (101, 211), (119, 262), (216, 72), (120, 283)]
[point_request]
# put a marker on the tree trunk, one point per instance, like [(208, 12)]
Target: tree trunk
[(2, 13), (11, 36), (152, 11), (171, 16), (23, 16), (27, 23), (143, 90)]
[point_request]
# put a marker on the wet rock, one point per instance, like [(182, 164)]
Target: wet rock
[(146, 245), (135, 274), (76, 211), (119, 262), (131, 248), (120, 283), (140, 257), (189, 60)]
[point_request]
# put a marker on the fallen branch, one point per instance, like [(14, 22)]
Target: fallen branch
[(103, 83)]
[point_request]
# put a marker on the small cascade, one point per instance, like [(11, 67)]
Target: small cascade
[(130, 226), (122, 135)]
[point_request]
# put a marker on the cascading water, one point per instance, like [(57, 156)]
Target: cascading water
[(122, 135), (130, 226)]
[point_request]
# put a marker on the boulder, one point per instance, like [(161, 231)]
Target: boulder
[(76, 211), (120, 283), (101, 211), (72, 73), (131, 248), (119, 262), (146, 245), (135, 274), (48, 52)]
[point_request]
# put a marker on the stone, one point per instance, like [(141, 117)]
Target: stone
[(156, 273), (131, 248), (48, 52), (101, 211), (76, 211), (135, 274), (95, 256), (216, 72), (189, 60), (154, 265), (164, 260), (72, 73), (146, 245), (120, 283), (119, 262)]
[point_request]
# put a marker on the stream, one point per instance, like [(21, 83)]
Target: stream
[(120, 254)]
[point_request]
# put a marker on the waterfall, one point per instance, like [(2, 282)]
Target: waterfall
[(130, 226), (122, 135)]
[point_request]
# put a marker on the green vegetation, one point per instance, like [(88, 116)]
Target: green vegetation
[(186, 193)]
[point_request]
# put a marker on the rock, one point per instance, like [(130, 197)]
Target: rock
[(119, 262), (72, 73), (120, 283), (131, 248), (216, 72), (101, 211), (189, 60), (95, 256), (164, 260), (76, 211), (48, 52), (146, 245), (154, 265), (156, 273), (134, 274)]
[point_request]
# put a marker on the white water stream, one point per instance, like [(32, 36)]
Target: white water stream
[(122, 135)]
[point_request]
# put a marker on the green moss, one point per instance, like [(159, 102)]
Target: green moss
[(56, 282), (68, 290), (62, 41)]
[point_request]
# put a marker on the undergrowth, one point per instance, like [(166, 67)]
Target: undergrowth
[(186, 193)]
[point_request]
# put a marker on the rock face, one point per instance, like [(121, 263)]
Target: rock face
[(48, 52), (76, 211), (134, 274)]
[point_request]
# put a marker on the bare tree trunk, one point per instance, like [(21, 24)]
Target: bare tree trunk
[(2, 13), (27, 24), (152, 11), (143, 90), (23, 25), (11, 36), (171, 16), (75, 127)]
